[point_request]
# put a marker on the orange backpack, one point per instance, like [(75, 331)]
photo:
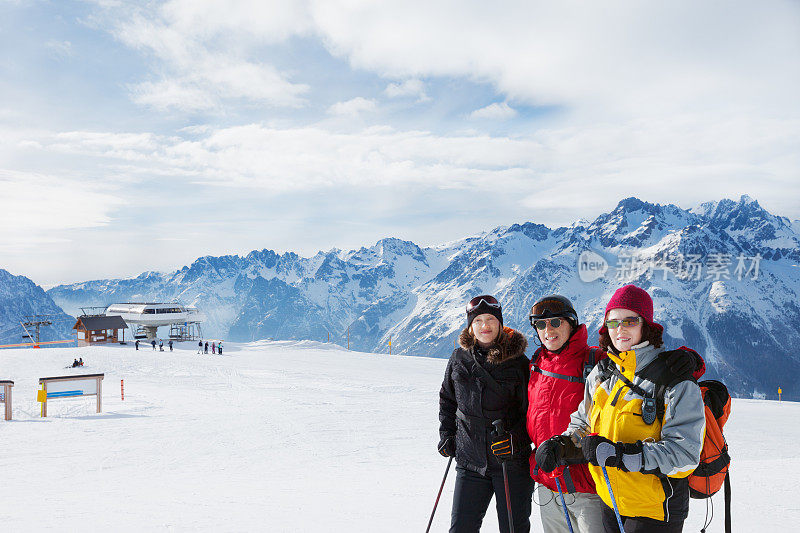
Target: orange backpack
[(712, 472)]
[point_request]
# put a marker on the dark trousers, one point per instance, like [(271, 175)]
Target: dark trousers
[(474, 491), (638, 525)]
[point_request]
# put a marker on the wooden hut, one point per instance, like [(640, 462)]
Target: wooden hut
[(99, 329)]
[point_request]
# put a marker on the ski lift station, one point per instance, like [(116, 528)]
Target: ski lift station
[(147, 317)]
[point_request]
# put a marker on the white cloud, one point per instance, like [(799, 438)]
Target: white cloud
[(60, 48), (672, 160), (33, 204), (204, 53), (353, 107), (409, 88), (495, 111), (618, 60)]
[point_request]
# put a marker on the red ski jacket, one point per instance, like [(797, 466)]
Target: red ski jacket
[(551, 401)]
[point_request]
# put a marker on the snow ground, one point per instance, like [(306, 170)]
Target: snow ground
[(284, 436)]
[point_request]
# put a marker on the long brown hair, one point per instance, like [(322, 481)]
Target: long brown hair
[(650, 334)]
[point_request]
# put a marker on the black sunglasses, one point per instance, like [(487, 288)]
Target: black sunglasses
[(541, 323)]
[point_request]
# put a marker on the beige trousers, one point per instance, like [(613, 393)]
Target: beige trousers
[(585, 511)]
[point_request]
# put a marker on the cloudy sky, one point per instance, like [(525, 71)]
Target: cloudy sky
[(139, 136)]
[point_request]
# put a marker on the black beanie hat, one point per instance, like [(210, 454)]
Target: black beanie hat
[(484, 304)]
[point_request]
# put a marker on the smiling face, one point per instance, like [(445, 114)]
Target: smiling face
[(485, 328), (624, 337), (554, 338)]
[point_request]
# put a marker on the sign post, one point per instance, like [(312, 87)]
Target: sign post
[(5, 396), (70, 387)]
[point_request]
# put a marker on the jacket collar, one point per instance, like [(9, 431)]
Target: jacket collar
[(574, 347), (635, 359), (512, 344)]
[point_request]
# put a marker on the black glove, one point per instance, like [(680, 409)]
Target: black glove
[(447, 447), (680, 362), (503, 446), (550, 453), (623, 455), (558, 451)]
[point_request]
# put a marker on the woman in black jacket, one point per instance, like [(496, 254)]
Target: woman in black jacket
[(485, 381)]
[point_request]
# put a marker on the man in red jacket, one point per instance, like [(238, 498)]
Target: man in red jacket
[(556, 388)]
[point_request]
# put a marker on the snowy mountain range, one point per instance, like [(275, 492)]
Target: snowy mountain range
[(724, 277), (21, 297)]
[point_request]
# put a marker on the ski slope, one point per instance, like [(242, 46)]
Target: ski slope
[(284, 436)]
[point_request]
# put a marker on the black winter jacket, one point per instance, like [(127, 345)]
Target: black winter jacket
[(468, 404)]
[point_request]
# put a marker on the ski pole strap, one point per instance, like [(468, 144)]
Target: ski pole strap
[(568, 484), (572, 379)]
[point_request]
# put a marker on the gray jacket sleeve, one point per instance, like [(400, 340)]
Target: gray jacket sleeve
[(579, 420), (678, 452)]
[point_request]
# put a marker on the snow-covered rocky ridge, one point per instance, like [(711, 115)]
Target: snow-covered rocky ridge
[(744, 320), (20, 297), (284, 436)]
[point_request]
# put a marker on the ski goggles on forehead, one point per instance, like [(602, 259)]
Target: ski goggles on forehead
[(541, 323), (488, 300), (626, 322)]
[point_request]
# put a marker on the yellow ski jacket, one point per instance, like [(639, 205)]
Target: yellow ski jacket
[(671, 447)]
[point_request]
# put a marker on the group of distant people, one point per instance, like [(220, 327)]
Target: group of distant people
[(216, 347), (153, 344), (202, 347), (77, 362)]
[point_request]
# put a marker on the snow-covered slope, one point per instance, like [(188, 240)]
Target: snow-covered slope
[(20, 297), (284, 437), (744, 320)]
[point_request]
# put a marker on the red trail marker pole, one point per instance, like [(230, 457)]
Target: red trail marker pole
[(122, 389)]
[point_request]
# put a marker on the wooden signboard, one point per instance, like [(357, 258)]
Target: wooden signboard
[(70, 387)]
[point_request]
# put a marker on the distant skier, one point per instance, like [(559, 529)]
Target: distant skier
[(75, 363), (170, 345), (219, 347), (213, 348), (200, 347), (153, 343), (80, 361), (161, 345), (206, 349), (137, 345)]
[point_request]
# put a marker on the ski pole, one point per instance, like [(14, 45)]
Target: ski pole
[(498, 428), (613, 500), (446, 470), (564, 505)]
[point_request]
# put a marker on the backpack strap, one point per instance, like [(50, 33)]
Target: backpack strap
[(657, 372), (593, 354), (571, 379), (728, 501)]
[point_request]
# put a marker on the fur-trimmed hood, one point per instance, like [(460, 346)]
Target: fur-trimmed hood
[(510, 344)]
